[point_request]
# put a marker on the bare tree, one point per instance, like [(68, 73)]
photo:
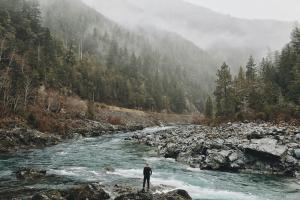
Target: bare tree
[(11, 58), (5, 86), (27, 87), (38, 54), (15, 102), (80, 49), (1, 48)]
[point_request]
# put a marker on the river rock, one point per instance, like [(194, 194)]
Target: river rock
[(236, 147), (93, 191), (109, 169), (50, 195), (136, 196), (266, 147), (216, 159), (27, 173), (20, 138), (172, 151), (141, 195), (178, 195), (255, 135), (297, 153)]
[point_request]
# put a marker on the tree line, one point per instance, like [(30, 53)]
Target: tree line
[(269, 90), (30, 56)]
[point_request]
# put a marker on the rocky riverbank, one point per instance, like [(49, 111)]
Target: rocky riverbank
[(234, 147), (95, 191), (15, 139), (22, 138), (91, 191), (52, 128)]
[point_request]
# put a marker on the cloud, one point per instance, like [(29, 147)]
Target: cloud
[(255, 9)]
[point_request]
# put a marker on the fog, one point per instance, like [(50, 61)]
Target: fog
[(228, 38), (255, 9)]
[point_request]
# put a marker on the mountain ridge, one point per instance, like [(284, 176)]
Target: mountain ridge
[(206, 28)]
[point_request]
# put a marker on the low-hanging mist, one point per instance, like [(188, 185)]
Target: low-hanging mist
[(224, 37)]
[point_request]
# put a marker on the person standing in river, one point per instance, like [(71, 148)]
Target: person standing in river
[(147, 174)]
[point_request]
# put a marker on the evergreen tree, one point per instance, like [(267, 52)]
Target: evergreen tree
[(294, 85), (240, 90), (224, 92), (250, 70), (295, 39), (209, 108), (270, 90), (285, 70)]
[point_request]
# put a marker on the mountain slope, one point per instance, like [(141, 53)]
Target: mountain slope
[(82, 21), (227, 38), (172, 68)]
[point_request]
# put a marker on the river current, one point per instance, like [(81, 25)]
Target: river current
[(86, 160)]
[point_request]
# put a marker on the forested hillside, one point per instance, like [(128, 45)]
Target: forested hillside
[(224, 37), (70, 48), (267, 90), (29, 56), (181, 70), (83, 53)]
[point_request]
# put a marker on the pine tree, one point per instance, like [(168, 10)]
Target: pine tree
[(209, 108), (240, 90), (250, 70), (224, 92), (294, 86), (285, 70), (270, 90), (295, 39)]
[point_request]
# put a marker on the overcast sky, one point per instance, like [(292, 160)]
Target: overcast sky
[(258, 9)]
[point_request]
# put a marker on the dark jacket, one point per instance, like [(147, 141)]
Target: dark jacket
[(147, 171)]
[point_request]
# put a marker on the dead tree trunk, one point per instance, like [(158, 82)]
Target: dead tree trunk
[(5, 86), (11, 58), (15, 103), (38, 53), (27, 87), (1, 48), (80, 50)]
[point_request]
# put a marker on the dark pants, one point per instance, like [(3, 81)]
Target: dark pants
[(146, 178)]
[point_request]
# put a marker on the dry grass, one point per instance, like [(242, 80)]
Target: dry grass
[(114, 120), (126, 110)]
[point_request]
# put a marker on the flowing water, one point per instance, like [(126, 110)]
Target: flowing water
[(86, 160)]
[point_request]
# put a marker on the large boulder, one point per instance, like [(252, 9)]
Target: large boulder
[(136, 196), (172, 151), (176, 195), (19, 138), (297, 153), (92, 191), (199, 149), (255, 135), (217, 159), (265, 148), (173, 195), (50, 195)]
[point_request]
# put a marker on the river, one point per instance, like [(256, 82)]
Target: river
[(86, 160)]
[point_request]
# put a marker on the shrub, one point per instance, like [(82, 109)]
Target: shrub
[(3, 110), (103, 106), (260, 115), (90, 113), (32, 121), (197, 120), (240, 116), (114, 120)]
